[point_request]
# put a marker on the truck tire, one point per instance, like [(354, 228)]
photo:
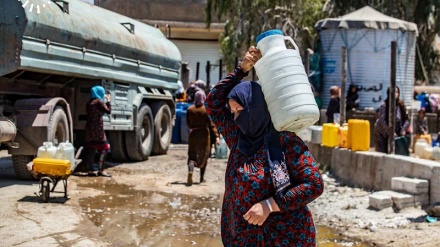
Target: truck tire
[(58, 127), (162, 128), (139, 142), (117, 146), (19, 163)]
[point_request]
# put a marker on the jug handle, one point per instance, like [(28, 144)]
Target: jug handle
[(291, 41)]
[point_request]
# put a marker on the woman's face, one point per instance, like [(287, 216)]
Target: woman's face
[(235, 108)]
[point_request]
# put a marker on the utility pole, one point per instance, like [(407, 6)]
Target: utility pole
[(392, 100), (343, 82)]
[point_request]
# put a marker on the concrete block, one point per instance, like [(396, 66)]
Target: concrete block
[(378, 161), (400, 200), (422, 170), (434, 197), (421, 200), (366, 169), (410, 185), (405, 165), (379, 201), (325, 156)]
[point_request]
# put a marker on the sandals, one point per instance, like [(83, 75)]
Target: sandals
[(99, 174)]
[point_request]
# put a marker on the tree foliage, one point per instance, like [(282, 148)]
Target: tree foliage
[(248, 18)]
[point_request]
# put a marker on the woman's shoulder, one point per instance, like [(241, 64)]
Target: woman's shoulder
[(289, 137)]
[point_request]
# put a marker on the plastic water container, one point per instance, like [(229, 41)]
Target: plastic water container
[(419, 148), (330, 135), (316, 134), (184, 130), (285, 84), (343, 136), (50, 166), (358, 138), (66, 151), (436, 153), (427, 152), (221, 151), (48, 151)]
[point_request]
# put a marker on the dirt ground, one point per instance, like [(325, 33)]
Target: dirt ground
[(148, 204)]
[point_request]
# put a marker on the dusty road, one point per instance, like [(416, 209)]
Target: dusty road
[(148, 204)]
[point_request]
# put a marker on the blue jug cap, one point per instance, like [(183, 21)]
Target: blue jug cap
[(269, 33)]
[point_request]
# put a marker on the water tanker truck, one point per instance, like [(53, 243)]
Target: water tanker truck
[(53, 51)]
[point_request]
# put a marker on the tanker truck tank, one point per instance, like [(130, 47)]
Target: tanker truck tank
[(73, 38), (52, 52)]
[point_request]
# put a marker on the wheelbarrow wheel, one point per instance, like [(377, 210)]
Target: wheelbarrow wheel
[(45, 191)]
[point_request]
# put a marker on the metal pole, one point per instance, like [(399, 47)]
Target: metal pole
[(220, 70), (343, 82), (208, 74), (197, 70), (392, 99)]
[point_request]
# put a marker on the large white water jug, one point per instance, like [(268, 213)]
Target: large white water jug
[(419, 147), (66, 151), (427, 152), (436, 153), (285, 84), (48, 150)]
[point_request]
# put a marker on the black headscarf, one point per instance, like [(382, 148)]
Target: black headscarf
[(257, 128)]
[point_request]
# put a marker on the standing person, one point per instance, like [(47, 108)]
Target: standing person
[(352, 98), (420, 126), (95, 138), (381, 125), (199, 144), (270, 176), (195, 86), (333, 105)]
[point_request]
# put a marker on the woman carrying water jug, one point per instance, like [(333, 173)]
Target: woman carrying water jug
[(95, 138), (270, 176)]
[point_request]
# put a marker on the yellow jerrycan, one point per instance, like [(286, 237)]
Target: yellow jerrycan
[(330, 135), (358, 135)]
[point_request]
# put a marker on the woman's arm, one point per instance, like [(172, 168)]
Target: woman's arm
[(381, 124), (106, 107), (306, 180), (216, 101), (216, 106)]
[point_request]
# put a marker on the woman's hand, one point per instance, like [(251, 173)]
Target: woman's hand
[(249, 60), (258, 214)]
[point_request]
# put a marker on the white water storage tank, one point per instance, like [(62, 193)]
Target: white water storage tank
[(284, 82), (367, 35)]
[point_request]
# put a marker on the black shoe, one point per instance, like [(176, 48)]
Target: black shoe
[(103, 174), (92, 174)]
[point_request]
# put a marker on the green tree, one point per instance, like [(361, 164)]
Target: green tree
[(425, 13), (246, 19)]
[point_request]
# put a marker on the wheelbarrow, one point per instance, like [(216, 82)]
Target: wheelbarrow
[(51, 171)]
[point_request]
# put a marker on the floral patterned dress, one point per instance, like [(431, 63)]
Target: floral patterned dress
[(248, 181)]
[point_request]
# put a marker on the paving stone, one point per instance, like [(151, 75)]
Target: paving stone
[(400, 200), (412, 186), (380, 202)]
